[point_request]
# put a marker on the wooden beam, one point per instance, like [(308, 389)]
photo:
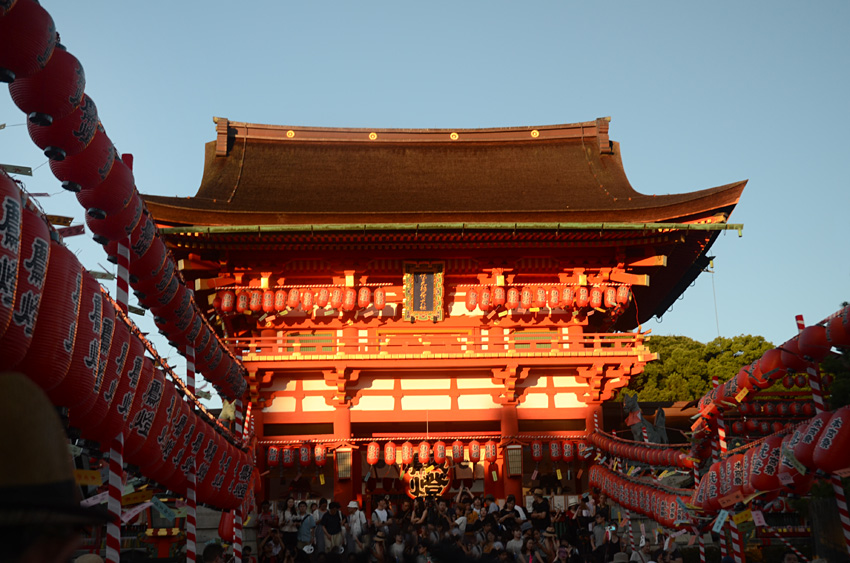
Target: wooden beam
[(633, 279), (212, 283), (190, 265), (650, 262)]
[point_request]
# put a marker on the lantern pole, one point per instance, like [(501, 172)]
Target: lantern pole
[(191, 503), (237, 514), (718, 446)]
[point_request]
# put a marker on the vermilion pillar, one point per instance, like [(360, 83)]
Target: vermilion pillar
[(510, 427)]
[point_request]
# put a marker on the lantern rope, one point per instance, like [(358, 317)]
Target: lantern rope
[(520, 437)]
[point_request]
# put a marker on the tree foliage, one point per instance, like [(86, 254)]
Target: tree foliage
[(685, 367)]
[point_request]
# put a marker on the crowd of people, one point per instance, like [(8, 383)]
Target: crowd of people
[(465, 528)]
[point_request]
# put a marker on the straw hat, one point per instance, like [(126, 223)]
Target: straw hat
[(538, 491), (380, 536), (549, 532), (38, 487)]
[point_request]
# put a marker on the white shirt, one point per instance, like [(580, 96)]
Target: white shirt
[(357, 523)]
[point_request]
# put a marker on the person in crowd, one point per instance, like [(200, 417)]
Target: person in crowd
[(598, 536), (318, 513), (356, 527), (644, 552), (540, 512), (379, 549), (332, 524), (266, 520), (382, 517), (397, 549), (271, 546), (510, 517), (531, 554), (306, 527), (289, 522), (248, 555), (612, 546), (549, 543), (514, 545)]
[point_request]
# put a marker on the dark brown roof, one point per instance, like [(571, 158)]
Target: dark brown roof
[(263, 174)]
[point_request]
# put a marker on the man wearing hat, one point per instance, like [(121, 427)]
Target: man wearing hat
[(40, 513), (356, 526), (540, 513)]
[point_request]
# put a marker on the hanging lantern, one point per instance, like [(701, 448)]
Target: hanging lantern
[(406, 453), (526, 297), (499, 296), (287, 456), (485, 299), (813, 343), (228, 301), (554, 298), (610, 296), (555, 450), (349, 299), (457, 451), (323, 297), (273, 456), (10, 249), (320, 455), (471, 299), (539, 299), (243, 301), (568, 295), (336, 298), (490, 451), (88, 168), (389, 453), (838, 329), (68, 135), (764, 472), (304, 455), (255, 303), (582, 297), (424, 452), (537, 451), (27, 39), (474, 451), (512, 299), (268, 301), (596, 297), (623, 293), (307, 300), (830, 454), (439, 452), (568, 451), (800, 380), (294, 298), (373, 453), (280, 297), (380, 299), (364, 297), (53, 92)]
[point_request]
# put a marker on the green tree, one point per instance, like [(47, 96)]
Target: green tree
[(685, 367)]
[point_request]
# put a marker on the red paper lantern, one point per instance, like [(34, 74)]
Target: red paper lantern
[(336, 298), (567, 451), (280, 297), (439, 452), (53, 92), (623, 294), (526, 298), (349, 299), (499, 296), (457, 451), (304, 455), (243, 301), (554, 298), (88, 168), (424, 452), (471, 299), (813, 343), (582, 297), (555, 450), (830, 454), (490, 451), (407, 453), (389, 453), (27, 40), (610, 296), (364, 297), (764, 471), (512, 299), (380, 299), (838, 329), (804, 451), (49, 355), (485, 299), (294, 298), (115, 226), (273, 456), (539, 298), (68, 135), (373, 453), (798, 483), (568, 295), (792, 359), (771, 365), (268, 301), (287, 456), (474, 451), (323, 297), (801, 380), (31, 275), (256, 300), (320, 455), (596, 297), (10, 249), (307, 300), (537, 451), (228, 301), (143, 414)]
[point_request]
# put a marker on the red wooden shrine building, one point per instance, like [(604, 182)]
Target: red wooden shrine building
[(440, 286)]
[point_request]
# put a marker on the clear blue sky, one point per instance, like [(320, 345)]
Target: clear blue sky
[(700, 94)]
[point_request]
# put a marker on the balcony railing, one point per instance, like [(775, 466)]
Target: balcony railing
[(436, 344)]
